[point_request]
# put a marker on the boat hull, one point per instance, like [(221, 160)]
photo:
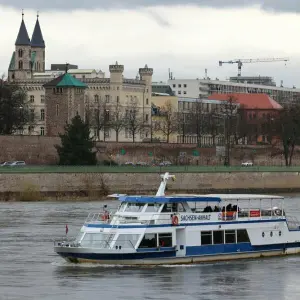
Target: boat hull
[(122, 259)]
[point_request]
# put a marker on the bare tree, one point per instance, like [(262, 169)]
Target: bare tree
[(199, 118), (288, 129), (168, 123), (117, 119), (228, 111), (133, 119), (98, 117)]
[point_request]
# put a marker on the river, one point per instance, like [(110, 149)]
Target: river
[(29, 269)]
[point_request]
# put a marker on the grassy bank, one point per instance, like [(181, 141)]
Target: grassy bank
[(130, 169)]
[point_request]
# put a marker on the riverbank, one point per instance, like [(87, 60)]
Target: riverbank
[(93, 186)]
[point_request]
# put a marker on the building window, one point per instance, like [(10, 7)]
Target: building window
[(185, 85), (42, 131), (107, 98), (96, 98), (184, 92), (20, 53), (20, 65), (147, 101), (106, 116), (147, 117), (31, 116), (42, 98), (118, 99), (106, 132), (179, 92), (174, 85), (179, 85), (57, 110), (42, 115), (31, 99), (30, 129)]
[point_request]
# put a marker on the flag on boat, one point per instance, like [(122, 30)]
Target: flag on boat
[(67, 229)]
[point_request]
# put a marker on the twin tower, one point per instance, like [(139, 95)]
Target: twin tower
[(29, 54)]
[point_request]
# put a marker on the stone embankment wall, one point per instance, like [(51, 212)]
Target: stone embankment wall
[(68, 185)]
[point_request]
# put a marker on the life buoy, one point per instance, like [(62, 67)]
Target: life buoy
[(105, 216), (174, 220)]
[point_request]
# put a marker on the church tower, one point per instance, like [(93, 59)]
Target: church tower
[(38, 48), (20, 64)]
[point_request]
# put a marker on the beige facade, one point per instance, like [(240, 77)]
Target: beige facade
[(110, 92)]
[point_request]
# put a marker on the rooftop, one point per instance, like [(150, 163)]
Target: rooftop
[(249, 101), (65, 80)]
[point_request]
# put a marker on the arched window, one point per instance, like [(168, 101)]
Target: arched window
[(20, 53), (96, 98), (20, 65), (42, 131)]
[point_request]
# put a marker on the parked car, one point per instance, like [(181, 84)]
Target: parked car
[(141, 163), (6, 163), (247, 164), (129, 163), (165, 163)]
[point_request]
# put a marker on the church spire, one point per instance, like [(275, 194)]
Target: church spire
[(37, 39), (23, 37)]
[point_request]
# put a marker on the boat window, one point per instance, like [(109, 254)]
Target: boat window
[(79, 236), (230, 237), (173, 207), (153, 207), (122, 207), (95, 240), (127, 240), (242, 236), (167, 208), (165, 239), (206, 238), (134, 207), (149, 241), (218, 237)]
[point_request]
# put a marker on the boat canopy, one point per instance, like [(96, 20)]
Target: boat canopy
[(226, 197), (168, 199)]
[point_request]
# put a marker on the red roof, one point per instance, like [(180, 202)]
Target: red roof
[(249, 101)]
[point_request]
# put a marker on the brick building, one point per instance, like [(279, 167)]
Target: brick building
[(257, 113)]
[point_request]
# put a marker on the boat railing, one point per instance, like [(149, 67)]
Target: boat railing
[(99, 217), (293, 223), (96, 244)]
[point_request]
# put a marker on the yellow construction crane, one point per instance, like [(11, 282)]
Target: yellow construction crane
[(240, 62)]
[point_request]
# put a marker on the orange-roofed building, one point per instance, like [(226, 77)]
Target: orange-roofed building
[(258, 111)]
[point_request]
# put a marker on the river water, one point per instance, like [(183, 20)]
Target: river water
[(29, 269)]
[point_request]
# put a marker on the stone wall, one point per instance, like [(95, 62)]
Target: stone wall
[(40, 150), (53, 184)]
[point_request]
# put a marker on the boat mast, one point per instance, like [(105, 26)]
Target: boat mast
[(163, 184)]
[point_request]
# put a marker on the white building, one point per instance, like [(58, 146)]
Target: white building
[(202, 88)]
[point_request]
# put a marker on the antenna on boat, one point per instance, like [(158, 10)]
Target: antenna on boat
[(163, 184)]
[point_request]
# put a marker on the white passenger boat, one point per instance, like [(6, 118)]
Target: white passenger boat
[(184, 229)]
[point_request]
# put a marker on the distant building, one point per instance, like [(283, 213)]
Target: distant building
[(162, 88), (203, 88), (162, 104), (258, 113), (62, 67), (261, 80)]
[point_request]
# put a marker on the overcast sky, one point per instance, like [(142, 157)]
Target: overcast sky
[(186, 36)]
